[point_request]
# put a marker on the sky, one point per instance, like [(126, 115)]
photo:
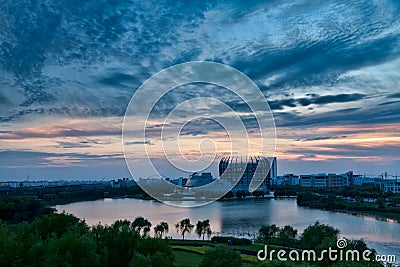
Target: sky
[(68, 69)]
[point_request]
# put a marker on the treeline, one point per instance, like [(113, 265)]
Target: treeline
[(381, 206), (362, 199), (352, 201), (313, 235), (352, 191), (241, 194), (330, 202), (318, 237), (33, 235), (64, 240), (53, 239), (69, 194), (286, 191), (20, 209)]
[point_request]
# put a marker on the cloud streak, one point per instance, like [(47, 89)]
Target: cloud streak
[(315, 100), (68, 70)]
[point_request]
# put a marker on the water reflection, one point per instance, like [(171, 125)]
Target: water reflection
[(242, 218)]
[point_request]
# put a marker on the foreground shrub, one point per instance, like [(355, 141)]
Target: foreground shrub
[(231, 240), (221, 256)]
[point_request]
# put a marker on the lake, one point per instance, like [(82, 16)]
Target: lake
[(242, 218)]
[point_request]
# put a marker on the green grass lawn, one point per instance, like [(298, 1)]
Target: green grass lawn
[(178, 242), (252, 247), (187, 259), (189, 249), (195, 250), (189, 241)]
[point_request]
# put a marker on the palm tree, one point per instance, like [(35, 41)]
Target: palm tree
[(203, 228), (141, 223), (160, 229), (184, 226)]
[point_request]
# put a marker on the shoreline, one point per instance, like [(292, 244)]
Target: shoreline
[(381, 216), (374, 216), (384, 246)]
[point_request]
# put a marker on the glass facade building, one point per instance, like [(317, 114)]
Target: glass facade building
[(249, 175)]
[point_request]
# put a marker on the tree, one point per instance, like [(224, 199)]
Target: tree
[(57, 224), (160, 229), (353, 245), (183, 227), (381, 202), (64, 240), (117, 243), (240, 194), (359, 199), (313, 235), (202, 228), (140, 260), (158, 251), (287, 235), (161, 259), (268, 232), (228, 195), (21, 208), (140, 224), (71, 249), (221, 256)]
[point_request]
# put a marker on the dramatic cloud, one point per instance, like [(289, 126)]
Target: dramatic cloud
[(315, 99), (69, 68)]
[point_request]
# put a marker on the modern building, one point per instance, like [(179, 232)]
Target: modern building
[(5, 187), (362, 180), (322, 180), (337, 181), (286, 179), (196, 179), (390, 185), (248, 173), (181, 181), (123, 182)]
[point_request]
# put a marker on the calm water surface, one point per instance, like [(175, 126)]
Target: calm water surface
[(242, 218)]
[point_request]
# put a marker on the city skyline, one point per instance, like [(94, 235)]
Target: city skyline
[(329, 72), (213, 171)]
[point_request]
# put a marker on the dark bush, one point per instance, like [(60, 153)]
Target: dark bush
[(231, 240)]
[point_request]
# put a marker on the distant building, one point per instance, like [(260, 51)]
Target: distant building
[(306, 181), (351, 177), (57, 183), (196, 180), (5, 187), (362, 180), (337, 181), (124, 182), (320, 180), (390, 185), (323, 180), (181, 181), (287, 179), (254, 169)]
